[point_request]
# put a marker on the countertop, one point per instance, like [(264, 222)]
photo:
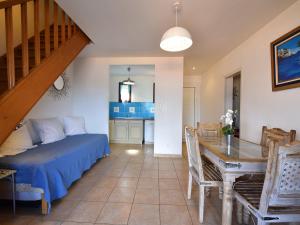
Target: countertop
[(131, 118)]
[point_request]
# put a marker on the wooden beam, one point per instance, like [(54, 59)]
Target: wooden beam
[(47, 27), (10, 58), (16, 103), (24, 21), (55, 24), (63, 27), (37, 44), (69, 28)]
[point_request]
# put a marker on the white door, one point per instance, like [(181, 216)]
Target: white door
[(188, 108)]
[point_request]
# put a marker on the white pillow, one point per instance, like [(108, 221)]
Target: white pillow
[(74, 125), (50, 130), (19, 141)]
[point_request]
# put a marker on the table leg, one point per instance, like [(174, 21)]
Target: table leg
[(227, 203), (13, 193)]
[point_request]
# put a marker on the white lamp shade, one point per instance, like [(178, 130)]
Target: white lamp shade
[(176, 39)]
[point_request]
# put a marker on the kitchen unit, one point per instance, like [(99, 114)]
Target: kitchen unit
[(131, 131), (126, 131)]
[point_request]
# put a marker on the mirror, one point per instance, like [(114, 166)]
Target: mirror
[(59, 83)]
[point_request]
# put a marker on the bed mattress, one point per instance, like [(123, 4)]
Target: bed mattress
[(50, 169)]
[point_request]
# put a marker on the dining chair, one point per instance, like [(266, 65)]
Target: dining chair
[(278, 134), (268, 135), (209, 129), (201, 170), (277, 199)]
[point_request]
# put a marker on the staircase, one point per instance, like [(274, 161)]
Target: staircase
[(31, 57), (30, 68)]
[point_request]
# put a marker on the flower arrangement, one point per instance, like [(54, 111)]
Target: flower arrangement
[(227, 121)]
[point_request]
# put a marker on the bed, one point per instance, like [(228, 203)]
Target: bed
[(47, 171)]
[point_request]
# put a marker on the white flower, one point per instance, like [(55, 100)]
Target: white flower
[(228, 121), (222, 117), (230, 111)]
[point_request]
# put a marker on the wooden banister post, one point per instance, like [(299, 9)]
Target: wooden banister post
[(37, 44), (55, 24), (10, 59), (47, 28), (63, 27), (25, 60)]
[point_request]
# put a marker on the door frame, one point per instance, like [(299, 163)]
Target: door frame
[(194, 125)]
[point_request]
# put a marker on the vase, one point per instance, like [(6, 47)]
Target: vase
[(229, 139)]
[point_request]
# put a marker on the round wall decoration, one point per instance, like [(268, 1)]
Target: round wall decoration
[(60, 88)]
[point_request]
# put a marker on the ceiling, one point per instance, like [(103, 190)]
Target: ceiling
[(133, 28)]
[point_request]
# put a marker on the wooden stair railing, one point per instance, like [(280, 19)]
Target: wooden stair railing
[(30, 68)]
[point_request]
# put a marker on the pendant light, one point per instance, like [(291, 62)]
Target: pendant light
[(128, 81), (177, 38)]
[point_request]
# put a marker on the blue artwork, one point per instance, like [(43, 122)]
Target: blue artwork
[(286, 61)]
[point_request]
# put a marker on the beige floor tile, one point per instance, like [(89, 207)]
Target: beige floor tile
[(86, 212), (114, 173), (149, 174), (61, 209), (74, 223), (148, 183), (77, 192), (128, 182), (131, 173), (41, 222), (98, 194), (169, 184), (171, 197), (146, 196), (124, 195), (144, 215), (107, 182), (211, 216), (167, 174), (174, 215), (166, 166), (115, 213)]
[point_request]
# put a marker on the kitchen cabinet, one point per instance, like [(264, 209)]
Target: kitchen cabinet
[(126, 131), (149, 131)]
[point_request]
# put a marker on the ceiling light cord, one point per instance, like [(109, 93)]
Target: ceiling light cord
[(176, 8)]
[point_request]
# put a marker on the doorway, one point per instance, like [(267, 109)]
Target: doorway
[(188, 108), (233, 98)]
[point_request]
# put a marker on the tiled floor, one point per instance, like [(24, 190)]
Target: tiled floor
[(129, 187)]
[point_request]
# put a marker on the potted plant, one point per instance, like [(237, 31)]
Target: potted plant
[(228, 128)]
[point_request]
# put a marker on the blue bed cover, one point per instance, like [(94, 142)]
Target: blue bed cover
[(54, 167)]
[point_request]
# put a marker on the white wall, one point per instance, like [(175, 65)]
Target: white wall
[(195, 82), (91, 97), (48, 106), (142, 91), (259, 105)]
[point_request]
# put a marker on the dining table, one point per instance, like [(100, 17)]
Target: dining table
[(234, 159)]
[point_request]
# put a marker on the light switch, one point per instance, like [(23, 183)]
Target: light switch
[(116, 109), (132, 109)]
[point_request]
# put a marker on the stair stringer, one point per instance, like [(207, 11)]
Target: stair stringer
[(17, 102)]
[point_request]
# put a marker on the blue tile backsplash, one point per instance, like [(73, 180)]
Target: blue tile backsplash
[(143, 110)]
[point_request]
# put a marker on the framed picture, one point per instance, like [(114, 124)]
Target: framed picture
[(285, 56)]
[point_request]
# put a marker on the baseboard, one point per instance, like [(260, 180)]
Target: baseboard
[(167, 156)]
